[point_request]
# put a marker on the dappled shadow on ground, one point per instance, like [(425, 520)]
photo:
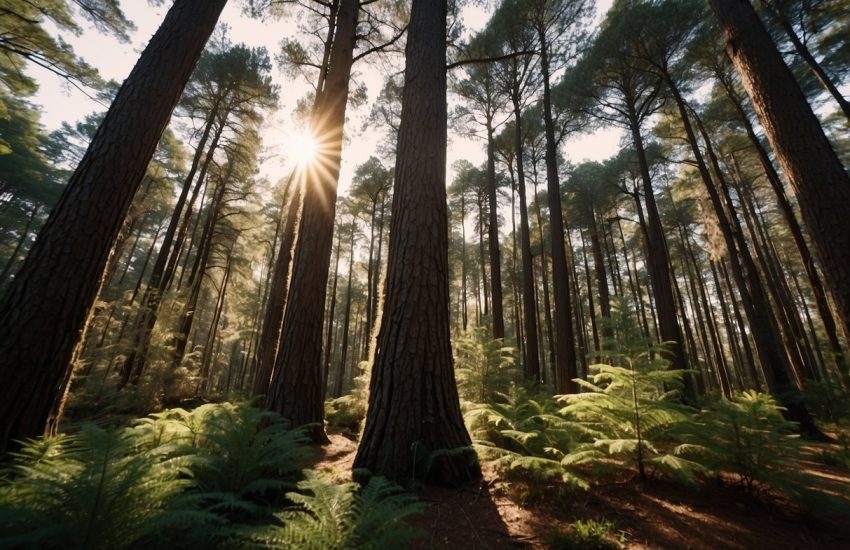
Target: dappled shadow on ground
[(472, 518), (660, 514), (496, 514), (337, 457)]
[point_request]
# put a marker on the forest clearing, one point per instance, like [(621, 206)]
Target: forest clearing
[(380, 274)]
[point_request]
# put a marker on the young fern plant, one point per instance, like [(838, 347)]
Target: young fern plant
[(483, 366), (524, 435), (747, 437), (630, 407), (328, 515), (240, 455)]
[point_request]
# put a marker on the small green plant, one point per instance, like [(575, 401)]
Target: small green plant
[(347, 412), (839, 456), (826, 402), (524, 435), (484, 366), (586, 535), (337, 516), (748, 438)]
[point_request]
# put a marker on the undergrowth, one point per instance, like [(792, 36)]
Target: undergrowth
[(221, 475)]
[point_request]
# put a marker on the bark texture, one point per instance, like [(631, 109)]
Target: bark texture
[(803, 151), (414, 420), (45, 309), (297, 390)]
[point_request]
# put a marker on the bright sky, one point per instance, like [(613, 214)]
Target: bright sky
[(115, 60)]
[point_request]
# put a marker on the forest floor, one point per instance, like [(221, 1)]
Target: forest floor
[(495, 515)]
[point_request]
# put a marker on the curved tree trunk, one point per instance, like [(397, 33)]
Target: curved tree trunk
[(45, 309), (414, 414)]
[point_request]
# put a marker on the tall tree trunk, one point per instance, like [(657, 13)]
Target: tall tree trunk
[(187, 316), (659, 265), (815, 282), (775, 365), (340, 376), (414, 414), (803, 51), (498, 314), (565, 352), (270, 334), (326, 362), (804, 153), (296, 389), (531, 364), (45, 309)]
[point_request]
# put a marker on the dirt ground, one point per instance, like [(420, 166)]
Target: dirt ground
[(656, 515)]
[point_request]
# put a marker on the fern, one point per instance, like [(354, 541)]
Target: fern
[(483, 366), (524, 435), (630, 409), (748, 437), (328, 516), (72, 492)]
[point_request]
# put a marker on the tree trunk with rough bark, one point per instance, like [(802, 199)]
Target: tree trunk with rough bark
[(296, 390), (414, 425), (804, 153), (45, 309)]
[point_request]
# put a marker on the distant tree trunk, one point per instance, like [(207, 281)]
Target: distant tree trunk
[(340, 372), (414, 414), (171, 242), (296, 389), (547, 307), (45, 309), (803, 51), (270, 333), (24, 235), (775, 365), (601, 277), (326, 362), (565, 353), (498, 315), (659, 265), (804, 153), (532, 354), (187, 316), (794, 228)]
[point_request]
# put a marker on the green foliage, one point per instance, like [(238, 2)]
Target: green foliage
[(330, 516), (748, 438), (75, 491), (585, 535), (239, 453), (347, 412), (192, 473), (825, 402), (524, 435), (483, 366), (630, 407)]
